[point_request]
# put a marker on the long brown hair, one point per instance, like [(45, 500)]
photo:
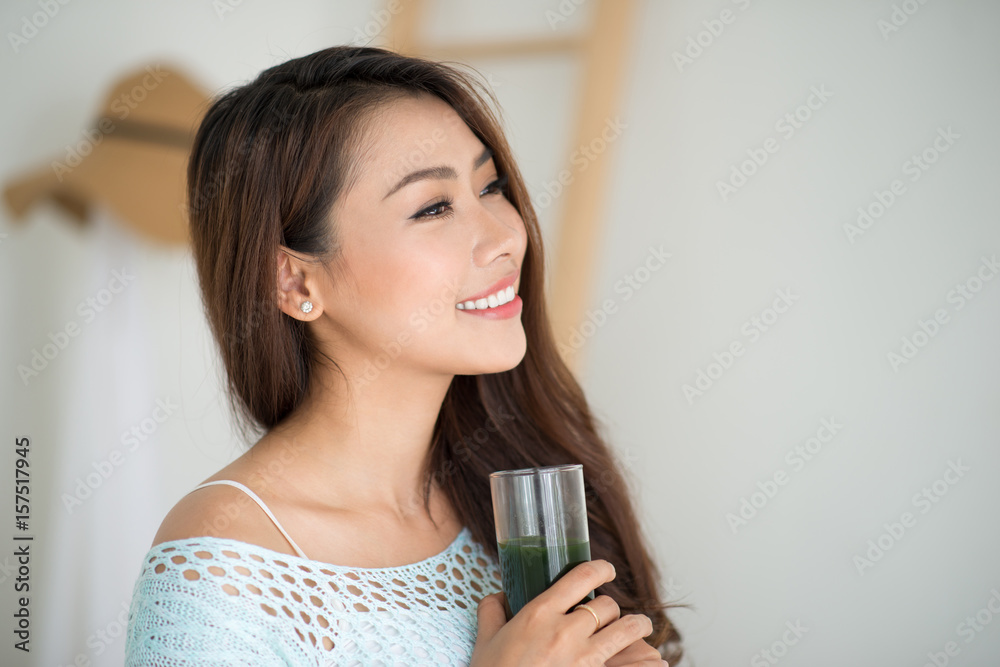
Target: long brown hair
[(269, 161)]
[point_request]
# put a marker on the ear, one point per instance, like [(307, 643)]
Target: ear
[(294, 279)]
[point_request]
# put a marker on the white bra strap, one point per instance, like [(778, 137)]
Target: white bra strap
[(262, 506)]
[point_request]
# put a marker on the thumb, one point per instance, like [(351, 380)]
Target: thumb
[(491, 616)]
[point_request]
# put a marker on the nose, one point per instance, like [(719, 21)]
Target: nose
[(500, 232)]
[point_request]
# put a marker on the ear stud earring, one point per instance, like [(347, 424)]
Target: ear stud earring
[(306, 306)]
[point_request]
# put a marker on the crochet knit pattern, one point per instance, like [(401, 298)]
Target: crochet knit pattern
[(212, 601)]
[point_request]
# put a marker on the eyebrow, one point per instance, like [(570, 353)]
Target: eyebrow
[(437, 173)]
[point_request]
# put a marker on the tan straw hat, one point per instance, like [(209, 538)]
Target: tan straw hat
[(132, 160)]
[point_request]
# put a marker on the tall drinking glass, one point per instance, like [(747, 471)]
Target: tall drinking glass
[(541, 524)]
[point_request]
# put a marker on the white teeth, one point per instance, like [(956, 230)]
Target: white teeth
[(492, 301)]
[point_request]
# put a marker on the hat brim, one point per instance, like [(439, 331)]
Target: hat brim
[(141, 183)]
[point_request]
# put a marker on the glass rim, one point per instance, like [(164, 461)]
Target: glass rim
[(547, 470)]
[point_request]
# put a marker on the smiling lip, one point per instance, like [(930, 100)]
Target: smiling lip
[(503, 283)]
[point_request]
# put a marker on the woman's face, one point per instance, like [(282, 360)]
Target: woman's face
[(415, 244)]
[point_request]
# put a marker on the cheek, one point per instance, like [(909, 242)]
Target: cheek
[(410, 287)]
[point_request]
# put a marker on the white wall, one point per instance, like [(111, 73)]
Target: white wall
[(826, 357), (692, 461)]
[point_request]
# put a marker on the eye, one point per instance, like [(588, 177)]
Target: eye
[(429, 212), (442, 208), (498, 186)]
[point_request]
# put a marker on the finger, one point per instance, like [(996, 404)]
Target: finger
[(603, 605), (491, 617), (575, 585), (621, 633), (636, 653)]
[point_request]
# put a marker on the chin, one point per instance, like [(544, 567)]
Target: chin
[(498, 361)]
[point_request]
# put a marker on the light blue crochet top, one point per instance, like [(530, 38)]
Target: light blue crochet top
[(211, 601)]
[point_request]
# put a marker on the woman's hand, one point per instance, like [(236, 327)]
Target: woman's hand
[(636, 653), (544, 633)]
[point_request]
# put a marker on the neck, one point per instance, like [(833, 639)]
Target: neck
[(364, 445)]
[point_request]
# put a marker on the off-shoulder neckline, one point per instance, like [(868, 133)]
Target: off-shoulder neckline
[(463, 537)]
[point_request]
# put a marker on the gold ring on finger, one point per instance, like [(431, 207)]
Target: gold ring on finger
[(594, 613)]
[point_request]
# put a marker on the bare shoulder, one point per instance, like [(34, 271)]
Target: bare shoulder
[(221, 510)]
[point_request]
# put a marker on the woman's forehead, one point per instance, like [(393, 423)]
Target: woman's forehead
[(412, 134)]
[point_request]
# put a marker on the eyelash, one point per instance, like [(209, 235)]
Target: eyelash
[(499, 184)]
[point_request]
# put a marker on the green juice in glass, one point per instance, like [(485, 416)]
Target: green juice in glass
[(528, 566)]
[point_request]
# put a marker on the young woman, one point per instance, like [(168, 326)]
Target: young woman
[(371, 267)]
